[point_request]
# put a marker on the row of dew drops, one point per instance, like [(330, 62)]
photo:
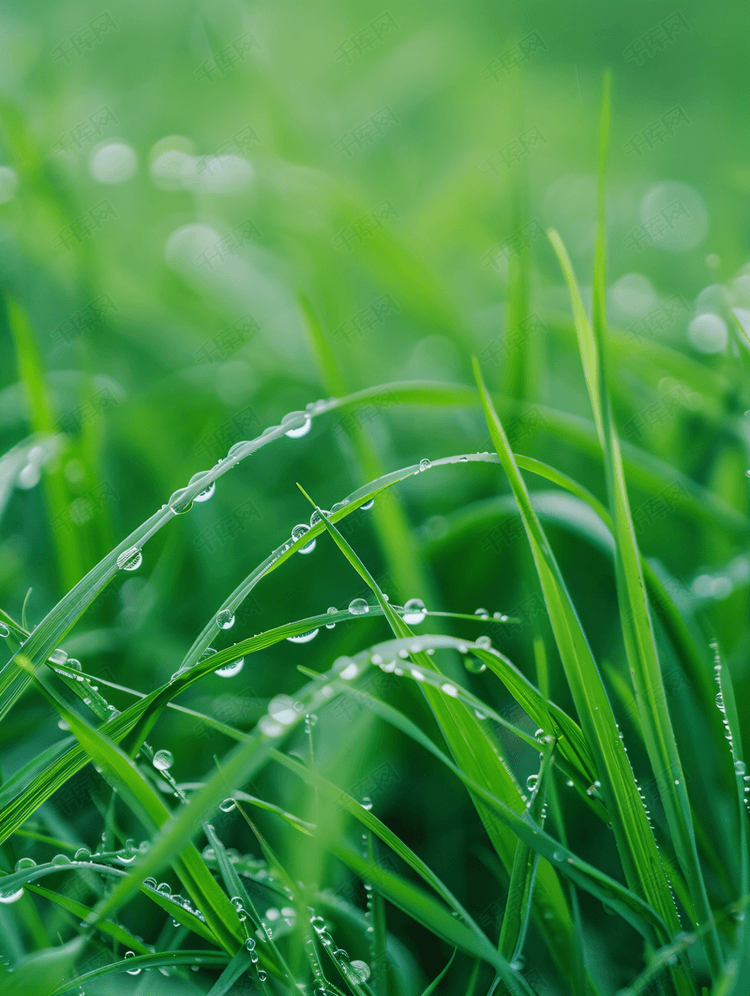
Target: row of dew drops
[(414, 612), (299, 424)]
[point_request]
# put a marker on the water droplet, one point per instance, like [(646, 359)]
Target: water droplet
[(297, 423), (61, 859), (739, 767), (367, 505), (225, 619), (4, 631), (269, 727), (227, 805), (450, 690), (558, 855), (361, 969), (82, 854), (23, 863), (482, 613), (332, 610), (10, 896), (179, 503), (249, 944), (130, 560), (484, 642), (720, 702), (164, 888), (58, 656), (235, 449), (163, 760), (366, 803), (262, 974), (281, 709), (304, 637), (132, 971), (414, 611), (474, 666), (531, 782), (150, 883), (208, 491), (358, 606), (298, 532), (424, 464), (231, 669)]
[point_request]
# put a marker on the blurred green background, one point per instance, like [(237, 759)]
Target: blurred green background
[(175, 177)]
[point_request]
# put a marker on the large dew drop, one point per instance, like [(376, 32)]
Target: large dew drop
[(130, 560), (424, 464), (231, 669), (10, 896), (358, 607), (361, 969), (208, 491), (163, 760), (132, 971), (281, 709), (414, 611), (234, 450), (225, 619), (304, 637), (4, 631), (298, 532), (179, 503), (296, 424)]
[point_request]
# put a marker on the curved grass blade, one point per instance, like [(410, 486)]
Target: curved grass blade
[(432, 915), (736, 977), (520, 891), (635, 841), (148, 806), (436, 981), (478, 755), (640, 642), (627, 904), (161, 959), (115, 930)]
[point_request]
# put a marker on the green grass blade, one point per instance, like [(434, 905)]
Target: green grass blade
[(635, 841), (115, 930), (436, 981), (640, 642), (144, 801), (161, 959)]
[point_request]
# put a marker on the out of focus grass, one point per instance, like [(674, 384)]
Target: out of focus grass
[(211, 217)]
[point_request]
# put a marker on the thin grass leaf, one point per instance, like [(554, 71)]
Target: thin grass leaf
[(144, 801), (161, 959), (635, 841), (477, 755), (432, 915), (436, 981), (640, 642), (115, 930)]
